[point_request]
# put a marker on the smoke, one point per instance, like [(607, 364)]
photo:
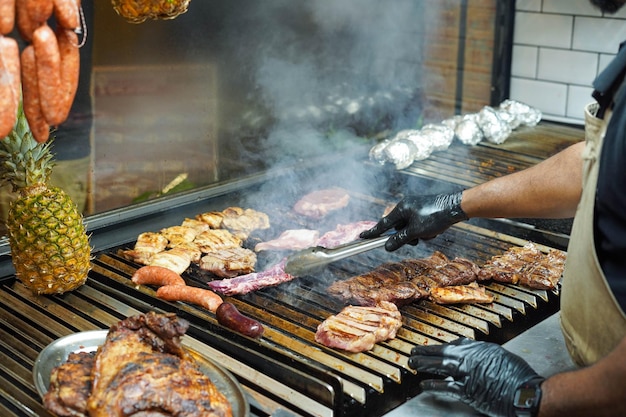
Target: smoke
[(326, 68)]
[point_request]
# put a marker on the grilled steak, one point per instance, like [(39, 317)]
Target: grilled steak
[(344, 233), (526, 266), (318, 204), (70, 386), (359, 328), (290, 240), (406, 281), (244, 284)]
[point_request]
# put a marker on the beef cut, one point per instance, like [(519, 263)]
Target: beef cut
[(318, 204)]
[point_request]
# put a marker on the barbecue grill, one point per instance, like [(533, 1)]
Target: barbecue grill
[(286, 372)]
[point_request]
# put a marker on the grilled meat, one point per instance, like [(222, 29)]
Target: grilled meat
[(344, 233), (290, 240), (243, 222), (358, 328), (70, 386), (406, 281), (148, 244), (244, 284), (526, 266), (179, 234), (318, 204), (229, 262), (142, 369), (454, 294), (216, 239)]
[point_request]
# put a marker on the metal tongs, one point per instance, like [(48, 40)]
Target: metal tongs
[(314, 259)]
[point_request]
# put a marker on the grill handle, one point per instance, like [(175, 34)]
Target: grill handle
[(316, 258)]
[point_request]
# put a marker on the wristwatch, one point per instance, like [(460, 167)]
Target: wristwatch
[(527, 398)]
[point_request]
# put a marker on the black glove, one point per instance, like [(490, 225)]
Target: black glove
[(484, 375), (417, 218)]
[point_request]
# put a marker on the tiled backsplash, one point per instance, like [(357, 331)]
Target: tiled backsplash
[(559, 47)]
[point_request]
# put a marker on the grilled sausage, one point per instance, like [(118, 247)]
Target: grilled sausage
[(48, 60), (7, 16), (198, 296), (156, 275), (66, 13), (39, 11), (25, 25), (9, 84), (228, 315), (30, 96), (70, 69)]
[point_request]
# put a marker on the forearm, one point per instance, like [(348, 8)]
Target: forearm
[(595, 391), (550, 189)]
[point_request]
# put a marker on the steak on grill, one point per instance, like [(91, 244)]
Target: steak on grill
[(359, 328), (318, 204)]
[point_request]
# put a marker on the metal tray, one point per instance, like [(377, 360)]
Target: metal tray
[(56, 353)]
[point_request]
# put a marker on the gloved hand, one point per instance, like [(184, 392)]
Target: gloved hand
[(422, 217), (485, 375)]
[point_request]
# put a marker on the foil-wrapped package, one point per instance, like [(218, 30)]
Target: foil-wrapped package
[(452, 122), (377, 152), (494, 128), (400, 152), (523, 113), (468, 131), (440, 136), (423, 145)]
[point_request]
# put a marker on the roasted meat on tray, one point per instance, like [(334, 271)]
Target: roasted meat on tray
[(140, 370)]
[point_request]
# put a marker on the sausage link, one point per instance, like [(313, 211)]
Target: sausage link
[(70, 69), (198, 296), (66, 13), (156, 275), (30, 96), (228, 315), (39, 11), (7, 16), (25, 25), (48, 60), (9, 84)]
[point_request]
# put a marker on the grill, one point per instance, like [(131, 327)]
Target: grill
[(286, 372)]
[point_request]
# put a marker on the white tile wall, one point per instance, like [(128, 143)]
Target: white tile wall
[(559, 47)]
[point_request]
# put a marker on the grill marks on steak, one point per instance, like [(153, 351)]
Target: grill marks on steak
[(526, 266), (359, 328), (403, 282)]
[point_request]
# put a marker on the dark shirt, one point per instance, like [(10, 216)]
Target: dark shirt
[(610, 207)]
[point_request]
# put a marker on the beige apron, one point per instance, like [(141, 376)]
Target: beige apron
[(592, 321)]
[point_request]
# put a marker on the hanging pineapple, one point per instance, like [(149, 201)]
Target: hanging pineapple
[(49, 247), (137, 11)]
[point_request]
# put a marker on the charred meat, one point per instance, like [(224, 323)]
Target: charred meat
[(70, 386), (455, 294)]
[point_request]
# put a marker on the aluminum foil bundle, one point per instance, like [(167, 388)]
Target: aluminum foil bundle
[(440, 136), (400, 152), (494, 128), (377, 152), (452, 122), (468, 131), (423, 144), (523, 113)]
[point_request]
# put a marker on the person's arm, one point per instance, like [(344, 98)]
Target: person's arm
[(598, 390), (550, 189)]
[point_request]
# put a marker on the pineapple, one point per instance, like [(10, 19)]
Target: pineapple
[(49, 246)]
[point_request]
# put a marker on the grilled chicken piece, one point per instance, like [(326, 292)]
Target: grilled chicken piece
[(212, 218), (179, 234), (359, 328), (229, 262), (141, 369), (243, 222), (216, 239), (147, 245), (70, 386), (198, 225), (526, 266), (176, 259), (455, 294)]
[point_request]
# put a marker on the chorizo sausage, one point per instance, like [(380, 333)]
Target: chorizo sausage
[(66, 13), (70, 69), (156, 275), (48, 60), (7, 16), (9, 84), (25, 25), (30, 96), (228, 315), (194, 295), (39, 11)]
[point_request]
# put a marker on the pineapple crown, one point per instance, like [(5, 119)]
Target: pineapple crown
[(23, 161)]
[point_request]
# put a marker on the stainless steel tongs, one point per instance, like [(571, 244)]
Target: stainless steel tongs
[(314, 259)]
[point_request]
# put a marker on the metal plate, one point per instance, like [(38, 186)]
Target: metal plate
[(56, 353)]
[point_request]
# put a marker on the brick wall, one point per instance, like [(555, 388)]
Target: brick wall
[(559, 47)]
